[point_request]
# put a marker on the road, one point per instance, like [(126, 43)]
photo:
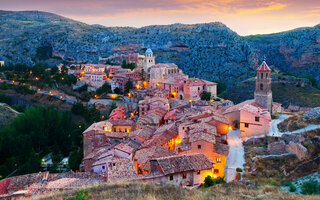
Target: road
[(235, 158)]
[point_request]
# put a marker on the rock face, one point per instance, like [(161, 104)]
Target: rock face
[(300, 151), (313, 114), (7, 114), (210, 51)]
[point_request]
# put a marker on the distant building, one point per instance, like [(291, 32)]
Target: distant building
[(193, 88), (160, 72), (149, 60), (152, 103)]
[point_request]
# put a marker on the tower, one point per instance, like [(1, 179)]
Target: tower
[(149, 60), (263, 93)]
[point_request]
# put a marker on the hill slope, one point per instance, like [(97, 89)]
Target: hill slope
[(211, 51)]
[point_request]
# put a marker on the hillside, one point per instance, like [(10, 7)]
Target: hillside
[(210, 51), (7, 114), (149, 191)]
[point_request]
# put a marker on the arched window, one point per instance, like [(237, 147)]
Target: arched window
[(261, 86), (261, 75)]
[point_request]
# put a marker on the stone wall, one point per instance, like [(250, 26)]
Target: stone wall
[(300, 151)]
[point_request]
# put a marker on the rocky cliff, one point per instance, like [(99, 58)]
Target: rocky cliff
[(211, 51)]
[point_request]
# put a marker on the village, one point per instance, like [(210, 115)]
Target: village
[(169, 127)]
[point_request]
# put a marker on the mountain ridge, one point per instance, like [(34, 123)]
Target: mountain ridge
[(210, 50)]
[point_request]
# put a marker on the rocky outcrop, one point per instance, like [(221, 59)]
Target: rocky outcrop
[(313, 114), (7, 114)]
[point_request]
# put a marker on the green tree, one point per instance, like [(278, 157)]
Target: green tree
[(75, 159), (205, 95), (117, 90), (311, 187), (128, 86), (105, 88)]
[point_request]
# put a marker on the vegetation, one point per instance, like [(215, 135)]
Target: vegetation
[(148, 191), (311, 187), (209, 182), (4, 99), (38, 131), (90, 114), (105, 88), (205, 96), (239, 169), (126, 65), (81, 195), (128, 86)]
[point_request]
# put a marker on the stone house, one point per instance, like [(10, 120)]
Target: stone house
[(193, 88), (249, 117), (160, 72), (152, 103), (117, 114), (182, 170)]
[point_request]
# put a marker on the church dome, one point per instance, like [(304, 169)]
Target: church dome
[(149, 51)]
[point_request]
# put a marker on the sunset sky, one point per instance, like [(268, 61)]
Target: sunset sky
[(243, 16)]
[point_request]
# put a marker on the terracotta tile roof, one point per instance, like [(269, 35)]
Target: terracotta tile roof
[(263, 67), (144, 155), (153, 99), (172, 114), (128, 122), (183, 163), (171, 128), (144, 133), (250, 106), (149, 119), (159, 111), (124, 147), (158, 140)]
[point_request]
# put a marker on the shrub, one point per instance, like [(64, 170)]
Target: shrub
[(285, 183), (208, 182), (81, 195), (239, 169), (310, 187), (292, 188)]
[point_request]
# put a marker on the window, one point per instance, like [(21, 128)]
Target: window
[(171, 178), (257, 119), (125, 130), (218, 160), (261, 86), (184, 175), (114, 130), (114, 164), (103, 167), (198, 172), (216, 171), (261, 75), (199, 146), (246, 125)]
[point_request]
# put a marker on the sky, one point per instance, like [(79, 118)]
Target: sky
[(243, 16)]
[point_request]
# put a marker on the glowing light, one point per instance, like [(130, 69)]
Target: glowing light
[(60, 97), (138, 87), (190, 100), (62, 78), (96, 96), (158, 85), (211, 100), (214, 176), (102, 116), (82, 73), (12, 81), (93, 70), (230, 127), (30, 72), (129, 94), (132, 115), (177, 141), (37, 78), (113, 96), (145, 84), (39, 89), (50, 92)]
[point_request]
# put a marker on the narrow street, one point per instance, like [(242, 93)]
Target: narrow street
[(235, 158)]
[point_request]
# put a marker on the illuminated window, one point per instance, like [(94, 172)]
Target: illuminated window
[(246, 125), (198, 172), (218, 160), (184, 175), (257, 119), (171, 178)]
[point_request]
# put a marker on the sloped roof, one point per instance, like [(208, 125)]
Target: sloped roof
[(144, 155), (149, 119), (124, 147), (221, 148), (263, 67), (158, 140), (172, 114), (183, 163), (145, 132)]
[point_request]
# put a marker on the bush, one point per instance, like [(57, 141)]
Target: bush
[(81, 195), (239, 169), (205, 96), (310, 187), (208, 182), (4, 99), (292, 188)]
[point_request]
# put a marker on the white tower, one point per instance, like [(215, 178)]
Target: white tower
[(149, 60)]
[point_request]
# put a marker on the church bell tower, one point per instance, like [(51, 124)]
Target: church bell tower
[(263, 93)]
